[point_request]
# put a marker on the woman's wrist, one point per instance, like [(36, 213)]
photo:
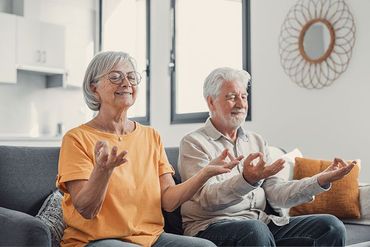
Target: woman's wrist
[(102, 171), (204, 176)]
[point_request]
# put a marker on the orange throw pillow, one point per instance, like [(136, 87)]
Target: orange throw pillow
[(342, 200)]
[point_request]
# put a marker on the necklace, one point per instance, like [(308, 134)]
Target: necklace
[(126, 129)]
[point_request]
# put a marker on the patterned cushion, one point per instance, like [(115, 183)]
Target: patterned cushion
[(52, 215)]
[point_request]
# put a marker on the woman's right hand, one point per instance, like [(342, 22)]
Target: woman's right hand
[(219, 166), (108, 160)]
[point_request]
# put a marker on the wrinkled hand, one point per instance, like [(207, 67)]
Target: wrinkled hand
[(219, 166), (106, 160), (338, 169), (254, 173)]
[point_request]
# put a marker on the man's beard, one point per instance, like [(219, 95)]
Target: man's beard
[(234, 121)]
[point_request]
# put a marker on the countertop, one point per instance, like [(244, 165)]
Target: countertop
[(29, 138)]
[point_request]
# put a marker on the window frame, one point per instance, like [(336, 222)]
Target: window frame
[(200, 117), (145, 119)]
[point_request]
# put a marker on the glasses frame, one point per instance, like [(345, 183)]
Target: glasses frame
[(123, 75)]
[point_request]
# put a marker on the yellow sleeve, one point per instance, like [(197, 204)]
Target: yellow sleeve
[(75, 161)]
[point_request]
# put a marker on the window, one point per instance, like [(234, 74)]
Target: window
[(206, 34), (125, 27)]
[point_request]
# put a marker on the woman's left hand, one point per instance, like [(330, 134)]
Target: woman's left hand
[(337, 170), (108, 160)]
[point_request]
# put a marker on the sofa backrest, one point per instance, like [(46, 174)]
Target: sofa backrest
[(172, 155), (27, 176)]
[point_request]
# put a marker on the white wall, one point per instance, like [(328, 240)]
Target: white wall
[(325, 123)]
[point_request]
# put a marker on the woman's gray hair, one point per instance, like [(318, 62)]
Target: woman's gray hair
[(100, 65), (217, 77)]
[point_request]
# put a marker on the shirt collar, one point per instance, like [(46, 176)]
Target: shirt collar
[(215, 134)]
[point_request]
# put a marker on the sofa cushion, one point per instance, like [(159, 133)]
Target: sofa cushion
[(27, 176), (287, 172), (172, 155), (173, 220), (357, 233), (342, 200), (51, 214), (20, 229), (365, 201)]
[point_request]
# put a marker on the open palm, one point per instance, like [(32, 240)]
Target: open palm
[(337, 170), (106, 159)]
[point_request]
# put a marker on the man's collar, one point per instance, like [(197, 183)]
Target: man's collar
[(211, 130), (242, 133), (215, 134)]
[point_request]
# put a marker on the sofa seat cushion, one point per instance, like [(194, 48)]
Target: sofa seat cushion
[(357, 233)]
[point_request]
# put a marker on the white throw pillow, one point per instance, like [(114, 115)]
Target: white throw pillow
[(287, 172)]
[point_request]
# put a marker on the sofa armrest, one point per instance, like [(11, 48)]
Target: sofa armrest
[(20, 229), (365, 201)]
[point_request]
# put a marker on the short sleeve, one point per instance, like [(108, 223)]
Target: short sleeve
[(164, 165), (75, 162)]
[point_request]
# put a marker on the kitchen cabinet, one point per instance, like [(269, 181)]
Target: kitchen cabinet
[(8, 72), (40, 46)]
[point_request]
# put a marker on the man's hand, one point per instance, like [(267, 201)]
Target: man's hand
[(338, 169), (219, 166), (254, 173), (106, 160)]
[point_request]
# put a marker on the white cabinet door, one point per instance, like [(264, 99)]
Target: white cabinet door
[(40, 44), (8, 72), (28, 42), (52, 45), (80, 41)]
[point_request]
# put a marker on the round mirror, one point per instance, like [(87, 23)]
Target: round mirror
[(316, 40)]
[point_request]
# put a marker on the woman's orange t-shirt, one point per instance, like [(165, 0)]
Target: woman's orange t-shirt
[(131, 210)]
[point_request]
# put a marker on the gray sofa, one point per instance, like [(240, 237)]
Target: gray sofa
[(27, 177)]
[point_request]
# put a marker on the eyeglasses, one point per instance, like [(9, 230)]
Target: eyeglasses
[(233, 97), (117, 77)]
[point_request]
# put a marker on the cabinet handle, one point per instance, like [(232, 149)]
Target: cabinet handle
[(38, 58), (43, 57)]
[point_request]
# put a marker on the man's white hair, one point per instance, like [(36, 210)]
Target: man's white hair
[(217, 77)]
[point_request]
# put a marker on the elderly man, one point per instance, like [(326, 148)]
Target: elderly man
[(229, 209)]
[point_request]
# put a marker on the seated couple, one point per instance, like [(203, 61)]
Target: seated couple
[(116, 177)]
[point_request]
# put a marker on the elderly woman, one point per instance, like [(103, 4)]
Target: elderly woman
[(114, 171)]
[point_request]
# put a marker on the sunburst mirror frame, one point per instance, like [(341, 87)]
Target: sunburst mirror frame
[(322, 71)]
